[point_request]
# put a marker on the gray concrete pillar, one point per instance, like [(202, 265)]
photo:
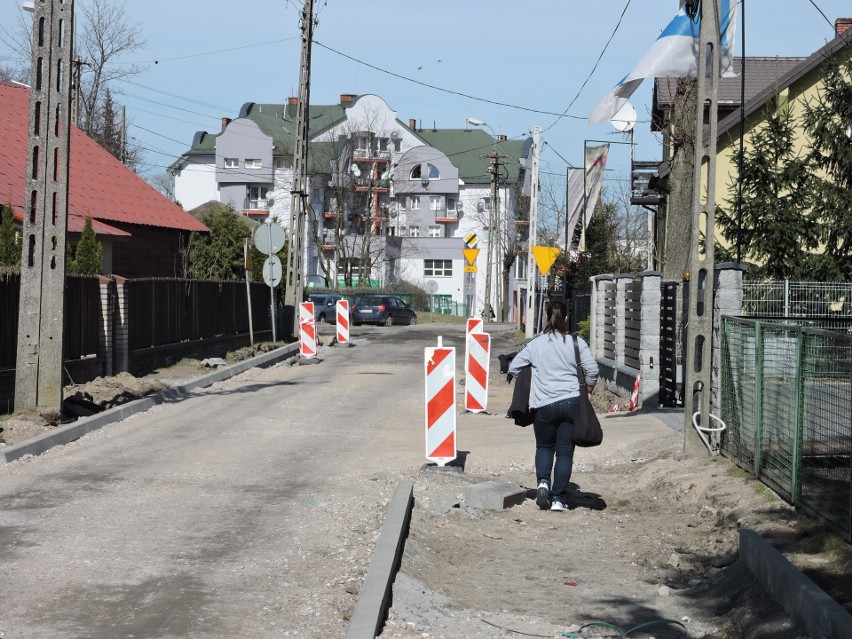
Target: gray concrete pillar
[(727, 300), (598, 314), (649, 346), (121, 356), (106, 326)]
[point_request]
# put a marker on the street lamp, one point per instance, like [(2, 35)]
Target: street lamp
[(492, 236)]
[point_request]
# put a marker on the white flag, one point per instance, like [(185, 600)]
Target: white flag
[(674, 54)]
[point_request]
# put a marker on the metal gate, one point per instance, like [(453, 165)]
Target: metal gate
[(670, 382)]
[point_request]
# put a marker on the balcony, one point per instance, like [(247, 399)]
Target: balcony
[(371, 155), (330, 215), (328, 242), (256, 205), (372, 184), (446, 216)]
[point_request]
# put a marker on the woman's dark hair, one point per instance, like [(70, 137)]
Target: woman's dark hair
[(557, 319)]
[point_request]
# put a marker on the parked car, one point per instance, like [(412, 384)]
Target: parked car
[(325, 306), (382, 310)]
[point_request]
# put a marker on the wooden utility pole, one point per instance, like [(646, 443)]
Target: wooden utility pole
[(38, 373), (294, 284), (698, 361)]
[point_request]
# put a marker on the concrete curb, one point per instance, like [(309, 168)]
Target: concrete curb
[(371, 611), (806, 603), (76, 430)]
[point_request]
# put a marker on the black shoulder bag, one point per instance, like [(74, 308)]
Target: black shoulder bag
[(587, 429)]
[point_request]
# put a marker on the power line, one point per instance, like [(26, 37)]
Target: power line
[(443, 90), (594, 68), (216, 52), (825, 17)]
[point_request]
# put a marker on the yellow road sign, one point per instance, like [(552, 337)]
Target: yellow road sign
[(544, 256), (471, 240), (470, 255), (470, 269)]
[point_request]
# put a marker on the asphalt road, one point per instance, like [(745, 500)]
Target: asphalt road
[(249, 509)]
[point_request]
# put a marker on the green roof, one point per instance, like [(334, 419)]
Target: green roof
[(469, 151)]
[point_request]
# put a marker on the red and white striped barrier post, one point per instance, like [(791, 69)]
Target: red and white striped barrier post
[(342, 311), (474, 325), (307, 331), (476, 367), (440, 364), (634, 398)]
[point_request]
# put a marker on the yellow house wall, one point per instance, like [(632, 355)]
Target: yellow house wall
[(805, 89)]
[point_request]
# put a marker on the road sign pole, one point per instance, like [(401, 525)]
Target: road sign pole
[(271, 287)]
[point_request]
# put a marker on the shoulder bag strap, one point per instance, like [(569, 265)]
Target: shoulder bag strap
[(581, 374)]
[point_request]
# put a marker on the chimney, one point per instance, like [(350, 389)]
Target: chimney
[(225, 122), (347, 97), (293, 100), (412, 124), (841, 25)]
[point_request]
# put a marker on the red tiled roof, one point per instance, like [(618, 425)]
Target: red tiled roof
[(100, 186)]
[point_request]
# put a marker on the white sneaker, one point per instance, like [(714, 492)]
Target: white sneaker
[(542, 497), (558, 505)]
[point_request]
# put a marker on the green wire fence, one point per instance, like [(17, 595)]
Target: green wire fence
[(787, 402)]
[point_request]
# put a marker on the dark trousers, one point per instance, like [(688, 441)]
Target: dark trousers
[(553, 425)]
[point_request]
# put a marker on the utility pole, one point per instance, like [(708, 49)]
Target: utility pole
[(698, 360), (38, 372), (494, 170), (294, 284), (530, 327)]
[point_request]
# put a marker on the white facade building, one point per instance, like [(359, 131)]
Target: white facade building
[(388, 202)]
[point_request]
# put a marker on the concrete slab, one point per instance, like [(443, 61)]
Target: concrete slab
[(371, 610), (801, 598), (494, 495)]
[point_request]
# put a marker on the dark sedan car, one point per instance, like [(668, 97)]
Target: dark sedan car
[(382, 310), (325, 306)]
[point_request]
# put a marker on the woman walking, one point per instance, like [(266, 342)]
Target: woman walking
[(554, 397)]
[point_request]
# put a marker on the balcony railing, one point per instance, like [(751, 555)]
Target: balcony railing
[(256, 205), (371, 154), (446, 216)]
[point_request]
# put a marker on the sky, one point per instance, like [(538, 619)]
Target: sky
[(517, 64)]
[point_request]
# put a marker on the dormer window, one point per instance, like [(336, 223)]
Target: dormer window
[(431, 170)]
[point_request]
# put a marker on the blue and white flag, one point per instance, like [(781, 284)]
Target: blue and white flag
[(674, 54)]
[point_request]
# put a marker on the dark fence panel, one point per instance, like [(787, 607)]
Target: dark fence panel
[(82, 319), (168, 311), (10, 290)]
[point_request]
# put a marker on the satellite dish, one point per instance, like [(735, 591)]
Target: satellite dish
[(625, 119)]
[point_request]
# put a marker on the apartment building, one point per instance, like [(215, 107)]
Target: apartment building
[(388, 201)]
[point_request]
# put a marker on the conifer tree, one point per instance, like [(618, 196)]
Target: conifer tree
[(828, 122), (10, 241), (88, 253), (777, 230)]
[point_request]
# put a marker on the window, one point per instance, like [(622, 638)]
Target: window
[(361, 144), (436, 230), (436, 202), (232, 163), (451, 204), (414, 203), (254, 163), (413, 231), (278, 163), (431, 170), (438, 268)]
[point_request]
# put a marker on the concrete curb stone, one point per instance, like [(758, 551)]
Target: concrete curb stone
[(76, 430)]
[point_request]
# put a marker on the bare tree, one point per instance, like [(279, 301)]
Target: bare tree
[(102, 36), (165, 183)]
